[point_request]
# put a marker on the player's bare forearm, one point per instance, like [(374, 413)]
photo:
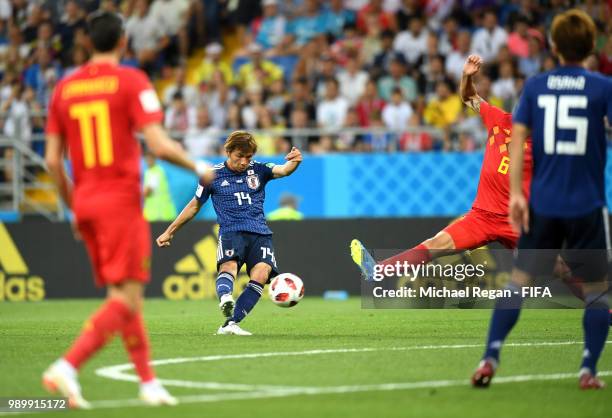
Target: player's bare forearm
[(294, 158), (54, 158), (164, 147), (187, 214), (516, 151), (467, 88)]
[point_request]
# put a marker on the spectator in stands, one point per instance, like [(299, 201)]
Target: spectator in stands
[(300, 99), (72, 20), (346, 137), (413, 42), (397, 112), (188, 92), (80, 56), (352, 81), (34, 20), (251, 110), (158, 204), (173, 17), (374, 7), (504, 87), (276, 100), (273, 28), (408, 9), (428, 80), (415, 139), (180, 117), (204, 139), (211, 63), (444, 110), (448, 40), (218, 98), (326, 69), (487, 40), (331, 111), (351, 44), (397, 78), (15, 41), (456, 59), (47, 39), (432, 52), (259, 71), (372, 43), (299, 120), (369, 104), (605, 57), (531, 64), (378, 140), (518, 40), (42, 75), (307, 26), (337, 17), (146, 34), (381, 63)]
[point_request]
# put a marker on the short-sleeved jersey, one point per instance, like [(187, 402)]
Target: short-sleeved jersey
[(238, 197), (565, 110), (494, 185), (96, 111)]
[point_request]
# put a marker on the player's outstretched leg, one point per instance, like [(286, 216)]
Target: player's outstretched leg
[(225, 287), (363, 259), (245, 303)]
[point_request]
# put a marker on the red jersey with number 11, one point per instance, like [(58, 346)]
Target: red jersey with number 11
[(494, 185), (97, 111)]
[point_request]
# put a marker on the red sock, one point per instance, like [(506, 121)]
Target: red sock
[(136, 343), (99, 329), (416, 255)]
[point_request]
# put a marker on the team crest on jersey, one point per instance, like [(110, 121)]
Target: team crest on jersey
[(229, 253), (253, 182)]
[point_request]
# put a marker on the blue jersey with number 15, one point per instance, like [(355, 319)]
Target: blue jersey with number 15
[(565, 109)]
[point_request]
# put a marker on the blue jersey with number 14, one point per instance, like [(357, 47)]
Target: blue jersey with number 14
[(565, 109), (238, 197)]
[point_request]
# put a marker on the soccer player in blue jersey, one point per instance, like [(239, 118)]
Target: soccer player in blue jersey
[(564, 111), (238, 194)]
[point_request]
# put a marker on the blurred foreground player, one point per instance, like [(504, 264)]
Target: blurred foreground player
[(564, 109), (94, 113)]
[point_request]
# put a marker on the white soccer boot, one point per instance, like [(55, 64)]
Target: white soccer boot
[(154, 394), (62, 377), (226, 304), (232, 328)]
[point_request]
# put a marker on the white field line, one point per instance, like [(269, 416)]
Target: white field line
[(232, 396), (117, 372)]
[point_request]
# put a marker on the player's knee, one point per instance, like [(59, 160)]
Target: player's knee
[(260, 273), (442, 241), (230, 267)]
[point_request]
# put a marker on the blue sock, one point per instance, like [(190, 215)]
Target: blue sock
[(596, 323), (504, 318), (247, 300), (225, 284)]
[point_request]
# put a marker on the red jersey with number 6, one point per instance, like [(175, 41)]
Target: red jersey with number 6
[(97, 111), (494, 185)]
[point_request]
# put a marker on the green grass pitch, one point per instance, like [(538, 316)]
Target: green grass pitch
[(339, 360)]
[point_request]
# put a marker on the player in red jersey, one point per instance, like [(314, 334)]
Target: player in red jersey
[(93, 115), (487, 221)]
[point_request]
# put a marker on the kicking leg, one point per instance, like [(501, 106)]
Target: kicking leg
[(225, 286)]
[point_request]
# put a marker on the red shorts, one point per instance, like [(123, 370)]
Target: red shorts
[(479, 227), (119, 247)]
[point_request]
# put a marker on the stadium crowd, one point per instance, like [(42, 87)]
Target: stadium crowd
[(391, 65)]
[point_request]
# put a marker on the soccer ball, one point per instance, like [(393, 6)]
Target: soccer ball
[(286, 290)]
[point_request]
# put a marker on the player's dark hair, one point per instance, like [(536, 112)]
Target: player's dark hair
[(573, 33), (242, 141), (104, 30)]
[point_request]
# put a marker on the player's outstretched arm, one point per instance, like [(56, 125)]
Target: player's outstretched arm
[(467, 88), (187, 214), (164, 147), (294, 158), (54, 158)]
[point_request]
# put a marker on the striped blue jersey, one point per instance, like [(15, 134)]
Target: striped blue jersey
[(565, 109), (238, 197)]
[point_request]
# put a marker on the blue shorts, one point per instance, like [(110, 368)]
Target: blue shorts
[(583, 242), (246, 248)]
